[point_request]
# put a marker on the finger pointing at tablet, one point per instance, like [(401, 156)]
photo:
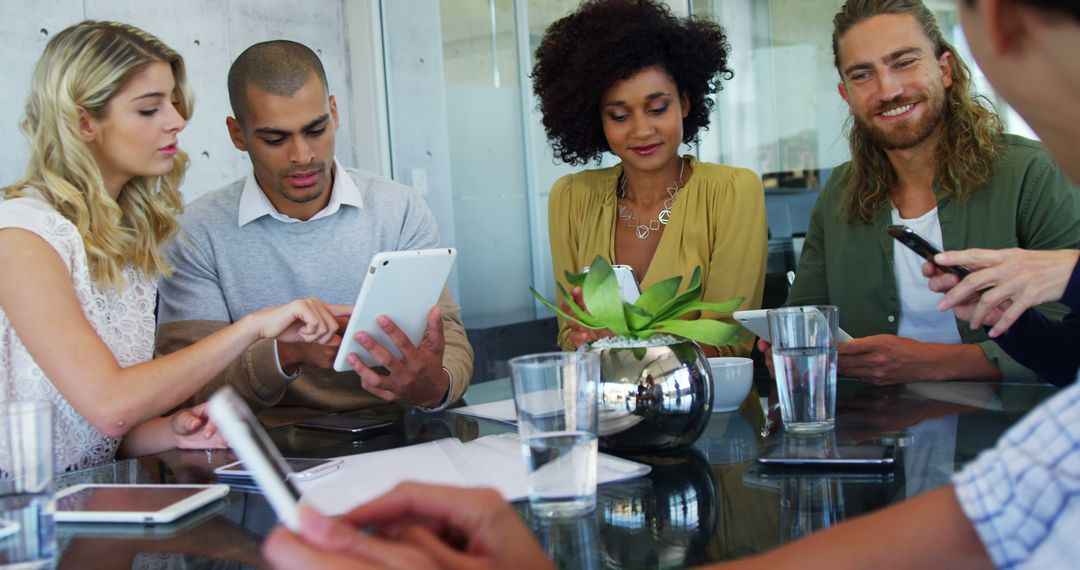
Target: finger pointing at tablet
[(418, 377)]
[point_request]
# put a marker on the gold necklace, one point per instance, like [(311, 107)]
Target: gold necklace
[(627, 215)]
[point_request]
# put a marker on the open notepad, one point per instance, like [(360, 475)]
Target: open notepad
[(492, 461)]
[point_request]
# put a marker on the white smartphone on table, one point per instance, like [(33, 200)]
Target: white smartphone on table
[(757, 322), (133, 503), (404, 286), (303, 469), (263, 460)]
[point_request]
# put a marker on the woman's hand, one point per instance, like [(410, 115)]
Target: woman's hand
[(194, 430), (580, 335), (303, 320)]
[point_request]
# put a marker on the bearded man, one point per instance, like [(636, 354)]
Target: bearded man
[(930, 154)]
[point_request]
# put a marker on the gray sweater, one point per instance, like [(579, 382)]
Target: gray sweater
[(224, 272)]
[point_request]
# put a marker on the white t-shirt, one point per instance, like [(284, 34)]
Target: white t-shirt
[(919, 317)]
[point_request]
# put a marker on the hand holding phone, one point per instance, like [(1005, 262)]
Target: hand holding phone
[(251, 444), (924, 248)]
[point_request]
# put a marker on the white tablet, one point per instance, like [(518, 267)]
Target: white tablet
[(403, 285), (251, 444), (133, 503), (757, 322)]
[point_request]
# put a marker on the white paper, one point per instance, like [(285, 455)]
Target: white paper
[(502, 411), (367, 476), (492, 461)]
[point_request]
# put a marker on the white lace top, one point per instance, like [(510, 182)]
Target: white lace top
[(123, 319)]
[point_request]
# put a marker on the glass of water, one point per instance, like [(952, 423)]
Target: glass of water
[(26, 485), (556, 398), (804, 359)]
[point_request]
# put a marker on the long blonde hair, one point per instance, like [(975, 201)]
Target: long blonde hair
[(972, 133), (83, 67)]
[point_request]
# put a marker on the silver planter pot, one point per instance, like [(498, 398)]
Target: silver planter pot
[(655, 398)]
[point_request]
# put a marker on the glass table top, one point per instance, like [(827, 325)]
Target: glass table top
[(708, 503)]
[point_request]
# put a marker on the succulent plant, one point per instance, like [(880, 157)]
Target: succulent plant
[(657, 310)]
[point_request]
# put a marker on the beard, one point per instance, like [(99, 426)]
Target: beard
[(303, 195), (907, 134)]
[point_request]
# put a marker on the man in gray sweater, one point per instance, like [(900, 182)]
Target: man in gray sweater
[(301, 225)]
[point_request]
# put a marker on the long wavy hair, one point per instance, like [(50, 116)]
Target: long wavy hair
[(971, 137), (82, 68)]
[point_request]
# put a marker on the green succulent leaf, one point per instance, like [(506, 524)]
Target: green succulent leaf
[(636, 317), (659, 293), (656, 311), (575, 279), (562, 313), (705, 331), (603, 297), (690, 295), (724, 308), (581, 314)]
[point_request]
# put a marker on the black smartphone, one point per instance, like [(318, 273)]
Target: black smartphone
[(924, 248), (869, 457), (345, 424)]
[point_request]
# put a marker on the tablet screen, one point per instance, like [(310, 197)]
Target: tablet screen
[(125, 499)]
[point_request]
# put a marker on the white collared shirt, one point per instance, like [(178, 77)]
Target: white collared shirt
[(254, 204)]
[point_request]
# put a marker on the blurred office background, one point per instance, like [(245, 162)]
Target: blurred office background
[(436, 94)]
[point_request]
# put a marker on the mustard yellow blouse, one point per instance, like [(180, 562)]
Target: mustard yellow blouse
[(717, 222)]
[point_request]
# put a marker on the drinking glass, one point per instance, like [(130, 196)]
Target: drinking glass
[(26, 485), (556, 398), (804, 360)]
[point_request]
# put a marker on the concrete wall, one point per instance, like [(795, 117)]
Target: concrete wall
[(209, 34)]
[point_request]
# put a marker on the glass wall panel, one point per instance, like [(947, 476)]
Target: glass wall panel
[(487, 157)]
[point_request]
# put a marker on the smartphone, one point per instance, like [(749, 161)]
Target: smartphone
[(249, 441), (924, 248), (304, 469), (627, 280), (843, 457), (345, 424)]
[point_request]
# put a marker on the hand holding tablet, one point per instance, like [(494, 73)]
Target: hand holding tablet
[(404, 286)]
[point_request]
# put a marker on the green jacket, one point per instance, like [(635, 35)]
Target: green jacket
[(1028, 204)]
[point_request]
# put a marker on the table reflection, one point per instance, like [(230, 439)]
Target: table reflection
[(663, 520)]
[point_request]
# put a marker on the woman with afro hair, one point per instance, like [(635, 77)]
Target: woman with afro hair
[(627, 76)]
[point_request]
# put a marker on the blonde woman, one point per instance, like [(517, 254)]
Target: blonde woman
[(79, 244)]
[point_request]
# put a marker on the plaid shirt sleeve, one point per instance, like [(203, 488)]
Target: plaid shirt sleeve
[(1023, 496)]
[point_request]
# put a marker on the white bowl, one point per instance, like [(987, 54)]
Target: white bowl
[(732, 377)]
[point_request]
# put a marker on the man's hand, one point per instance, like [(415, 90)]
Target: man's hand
[(766, 349), (418, 377), (580, 335), (888, 359), (1006, 283), (293, 354)]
